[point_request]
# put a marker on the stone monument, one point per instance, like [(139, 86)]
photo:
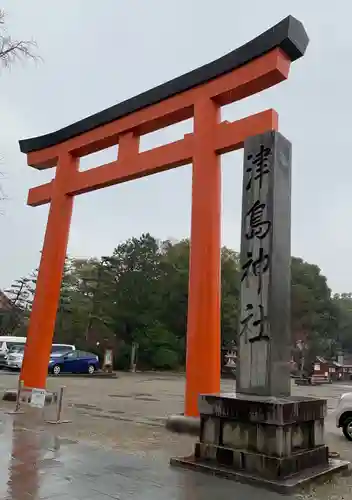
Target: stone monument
[(262, 433), (264, 331)]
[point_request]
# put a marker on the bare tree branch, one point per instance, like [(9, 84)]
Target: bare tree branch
[(12, 50), (3, 196)]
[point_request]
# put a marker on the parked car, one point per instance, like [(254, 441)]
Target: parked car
[(60, 349), (343, 415), (74, 362), (14, 358), (6, 344)]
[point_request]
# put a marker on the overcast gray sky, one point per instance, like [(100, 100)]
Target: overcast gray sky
[(99, 53)]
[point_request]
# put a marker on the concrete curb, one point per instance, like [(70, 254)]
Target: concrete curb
[(84, 375), (183, 425), (68, 375)]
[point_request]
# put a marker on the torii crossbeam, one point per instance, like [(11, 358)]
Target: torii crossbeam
[(257, 65)]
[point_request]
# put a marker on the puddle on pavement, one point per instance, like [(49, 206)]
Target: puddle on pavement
[(110, 417), (139, 396), (119, 396), (65, 441), (85, 406), (152, 379), (145, 398)]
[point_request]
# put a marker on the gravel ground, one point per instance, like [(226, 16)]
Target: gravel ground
[(128, 414)]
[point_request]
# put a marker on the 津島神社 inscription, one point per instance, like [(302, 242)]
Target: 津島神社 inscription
[(264, 330)]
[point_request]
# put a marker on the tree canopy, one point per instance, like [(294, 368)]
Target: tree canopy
[(139, 294)]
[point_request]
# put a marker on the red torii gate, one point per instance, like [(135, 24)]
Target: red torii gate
[(257, 65)]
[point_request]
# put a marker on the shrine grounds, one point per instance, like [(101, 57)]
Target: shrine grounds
[(128, 414)]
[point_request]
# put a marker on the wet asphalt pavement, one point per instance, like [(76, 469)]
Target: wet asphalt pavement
[(37, 465), (116, 445)]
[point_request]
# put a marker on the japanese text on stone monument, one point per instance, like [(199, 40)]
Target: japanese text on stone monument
[(255, 261)]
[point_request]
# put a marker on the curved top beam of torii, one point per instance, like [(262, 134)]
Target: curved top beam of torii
[(288, 35)]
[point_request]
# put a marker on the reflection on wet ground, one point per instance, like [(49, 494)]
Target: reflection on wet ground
[(37, 465)]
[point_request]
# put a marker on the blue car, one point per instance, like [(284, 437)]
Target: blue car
[(73, 362)]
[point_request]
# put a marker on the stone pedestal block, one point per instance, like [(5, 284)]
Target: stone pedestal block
[(271, 437), (273, 440)]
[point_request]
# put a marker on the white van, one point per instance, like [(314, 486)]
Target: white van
[(6, 343)]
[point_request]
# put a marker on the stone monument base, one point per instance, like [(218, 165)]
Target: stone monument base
[(276, 442), (284, 486)]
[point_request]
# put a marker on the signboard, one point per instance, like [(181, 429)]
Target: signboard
[(108, 357), (38, 398)]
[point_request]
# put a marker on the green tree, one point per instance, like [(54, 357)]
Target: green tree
[(131, 281), (314, 316), (230, 295), (343, 303), (158, 348), (77, 300), (173, 290), (20, 295)]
